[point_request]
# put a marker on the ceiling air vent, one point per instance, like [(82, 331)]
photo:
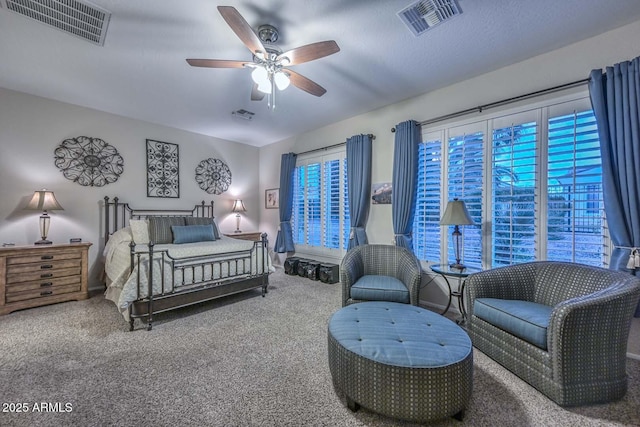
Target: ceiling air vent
[(425, 14), (79, 18), (243, 114)]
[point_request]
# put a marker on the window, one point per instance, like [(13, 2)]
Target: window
[(320, 216), (531, 180)]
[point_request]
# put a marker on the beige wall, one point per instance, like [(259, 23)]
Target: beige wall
[(564, 65), (32, 127)]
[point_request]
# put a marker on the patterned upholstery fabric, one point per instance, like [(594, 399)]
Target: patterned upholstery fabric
[(401, 361), (380, 288), (585, 360), (380, 260), (160, 228)]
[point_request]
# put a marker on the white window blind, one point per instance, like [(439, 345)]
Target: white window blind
[(465, 179), (426, 221), (575, 208), (513, 190), (543, 183), (320, 218)]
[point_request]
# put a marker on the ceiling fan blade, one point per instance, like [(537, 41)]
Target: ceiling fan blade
[(217, 63), (310, 52), (256, 95), (301, 82), (242, 29)]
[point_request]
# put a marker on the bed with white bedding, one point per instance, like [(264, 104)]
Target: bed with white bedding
[(192, 261)]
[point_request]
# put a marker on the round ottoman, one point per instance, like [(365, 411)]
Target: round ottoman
[(400, 360)]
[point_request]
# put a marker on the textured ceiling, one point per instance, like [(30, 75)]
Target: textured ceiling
[(141, 71)]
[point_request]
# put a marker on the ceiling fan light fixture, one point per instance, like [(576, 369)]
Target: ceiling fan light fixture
[(265, 87), (282, 80), (260, 75)]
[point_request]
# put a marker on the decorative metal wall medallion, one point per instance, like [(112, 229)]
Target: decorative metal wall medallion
[(213, 176), (163, 178), (89, 161)]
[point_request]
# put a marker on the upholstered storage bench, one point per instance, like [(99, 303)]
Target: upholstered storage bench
[(400, 360)]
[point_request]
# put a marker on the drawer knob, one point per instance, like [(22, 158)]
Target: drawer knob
[(43, 257), (46, 266), (43, 293), (46, 275), (45, 284)]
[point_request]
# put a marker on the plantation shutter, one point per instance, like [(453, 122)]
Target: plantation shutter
[(575, 208), (465, 179), (426, 221), (513, 188)]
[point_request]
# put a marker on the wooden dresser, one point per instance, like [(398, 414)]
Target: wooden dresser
[(31, 276)]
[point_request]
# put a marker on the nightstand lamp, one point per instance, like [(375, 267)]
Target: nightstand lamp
[(44, 201), (238, 207), (456, 214)]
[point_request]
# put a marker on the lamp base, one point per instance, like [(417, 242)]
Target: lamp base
[(458, 266), (238, 231), (43, 242)]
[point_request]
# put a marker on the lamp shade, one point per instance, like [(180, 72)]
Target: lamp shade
[(456, 213), (238, 206), (44, 200)]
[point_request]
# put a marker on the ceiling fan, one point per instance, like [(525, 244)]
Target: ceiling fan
[(269, 63)]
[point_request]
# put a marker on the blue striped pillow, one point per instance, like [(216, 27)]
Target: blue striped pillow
[(192, 233)]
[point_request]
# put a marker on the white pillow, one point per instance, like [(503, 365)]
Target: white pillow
[(140, 231)]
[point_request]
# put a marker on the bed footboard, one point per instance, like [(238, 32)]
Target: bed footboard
[(183, 282)]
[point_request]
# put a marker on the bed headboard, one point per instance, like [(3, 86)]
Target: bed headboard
[(117, 214)]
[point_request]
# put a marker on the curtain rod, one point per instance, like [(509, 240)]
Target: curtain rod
[(506, 101), (372, 136)]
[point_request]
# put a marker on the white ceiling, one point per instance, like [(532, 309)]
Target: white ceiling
[(141, 71)]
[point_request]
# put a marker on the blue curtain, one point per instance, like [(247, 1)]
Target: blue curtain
[(615, 98), (405, 179), (284, 240), (359, 151)]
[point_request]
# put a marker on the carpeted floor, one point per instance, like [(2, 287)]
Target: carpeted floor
[(240, 361)]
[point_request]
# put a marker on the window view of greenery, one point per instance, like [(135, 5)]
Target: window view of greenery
[(559, 218)]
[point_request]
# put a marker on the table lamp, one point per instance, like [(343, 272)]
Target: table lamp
[(44, 200), (238, 207), (456, 214)]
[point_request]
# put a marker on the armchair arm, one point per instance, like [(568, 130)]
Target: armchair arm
[(410, 273), (512, 282), (592, 330), (351, 269)]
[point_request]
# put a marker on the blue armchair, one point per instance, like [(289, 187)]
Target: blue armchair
[(380, 273), (562, 327)]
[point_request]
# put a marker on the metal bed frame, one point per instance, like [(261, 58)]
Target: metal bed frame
[(117, 215)]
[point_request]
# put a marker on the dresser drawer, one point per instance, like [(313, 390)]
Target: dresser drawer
[(47, 270), (43, 284), (41, 293), (42, 259)]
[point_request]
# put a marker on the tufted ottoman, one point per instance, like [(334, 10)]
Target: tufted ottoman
[(400, 360)]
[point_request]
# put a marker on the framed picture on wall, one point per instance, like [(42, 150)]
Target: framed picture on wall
[(271, 198), (163, 174)]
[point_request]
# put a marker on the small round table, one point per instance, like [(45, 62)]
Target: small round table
[(447, 271)]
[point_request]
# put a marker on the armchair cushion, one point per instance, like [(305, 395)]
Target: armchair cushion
[(380, 288), (524, 319)]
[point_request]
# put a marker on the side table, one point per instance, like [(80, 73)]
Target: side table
[(255, 236), (446, 271)]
